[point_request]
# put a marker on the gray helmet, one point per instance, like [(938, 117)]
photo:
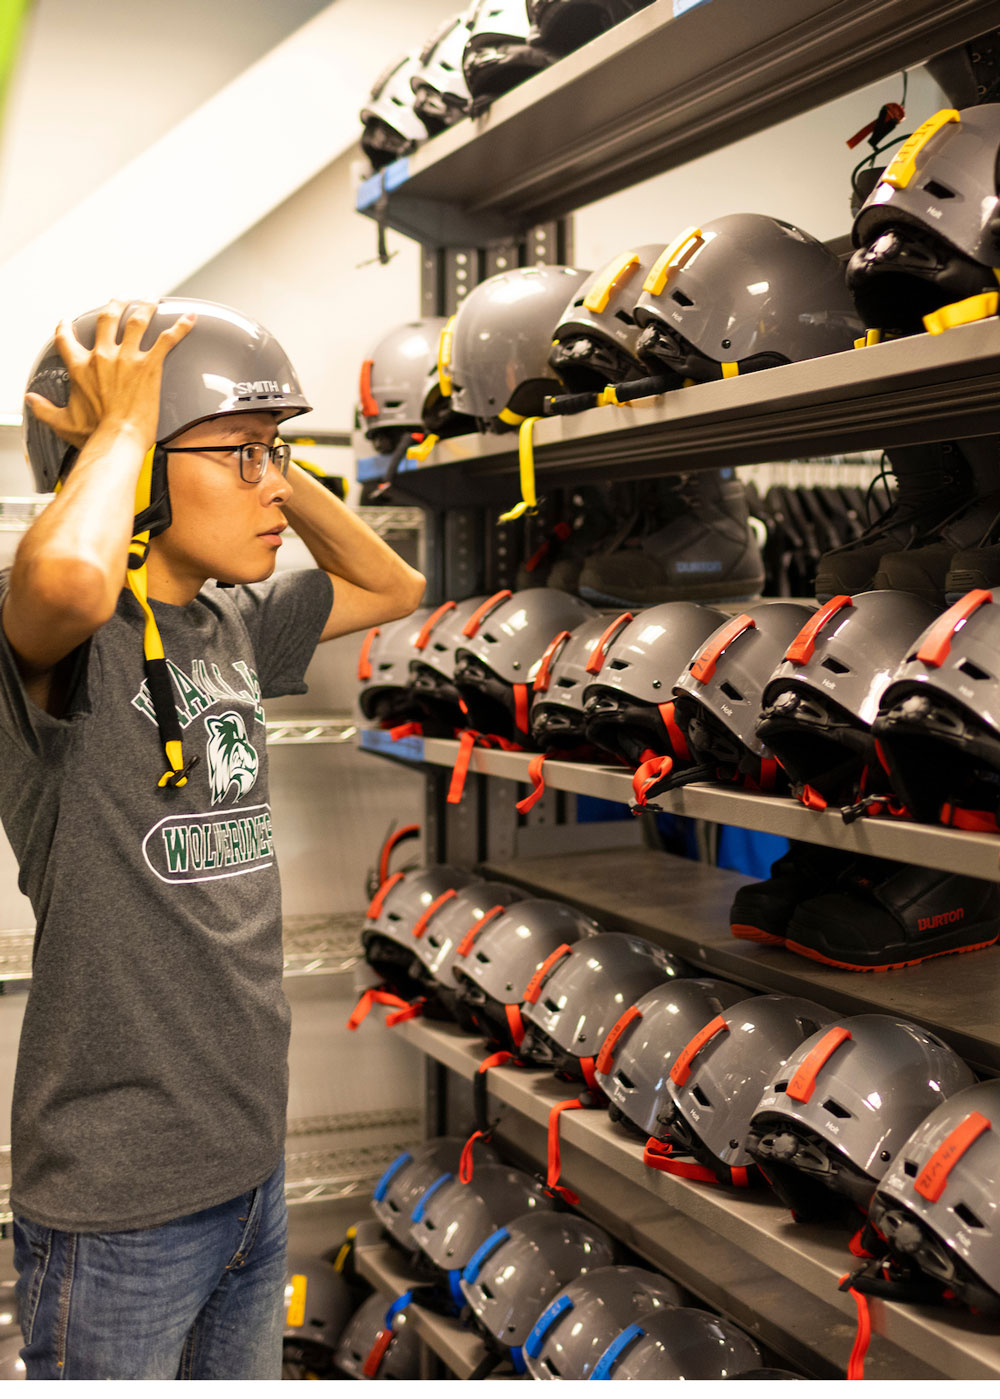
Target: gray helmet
[(497, 54), (844, 1103), (366, 1353), (440, 93), (595, 339), (395, 379), (516, 1272), (938, 1203), (583, 1319), (716, 1081), (818, 707), (642, 1045), (452, 1220), (927, 237), (432, 666), (445, 930), (501, 653), (718, 693), (387, 933), (679, 1343), (624, 702), (743, 292), (572, 1001), (228, 363), (318, 1305), (502, 336), (566, 25), (498, 960), (384, 668), (938, 724), (410, 1176), (391, 126), (568, 665)]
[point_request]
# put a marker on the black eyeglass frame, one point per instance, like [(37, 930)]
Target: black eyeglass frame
[(269, 452)]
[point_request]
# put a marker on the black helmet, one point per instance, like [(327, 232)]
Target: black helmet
[(818, 707), (497, 53), (565, 25), (928, 235), (742, 293)]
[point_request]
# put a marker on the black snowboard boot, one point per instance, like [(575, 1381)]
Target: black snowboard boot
[(693, 543), (591, 519), (762, 911)]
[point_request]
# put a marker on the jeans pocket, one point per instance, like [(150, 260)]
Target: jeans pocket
[(32, 1254)]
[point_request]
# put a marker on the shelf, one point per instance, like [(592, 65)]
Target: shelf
[(324, 728), (907, 841), (652, 93), (385, 1267), (738, 1250), (918, 389)]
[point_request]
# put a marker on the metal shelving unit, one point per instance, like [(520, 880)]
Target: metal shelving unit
[(653, 92)]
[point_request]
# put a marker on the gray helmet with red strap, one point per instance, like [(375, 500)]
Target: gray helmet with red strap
[(716, 1082), (501, 653), (818, 707), (569, 663), (928, 235), (679, 1343), (371, 1350), (742, 293), (843, 1104), (443, 929), (643, 1043), (453, 1219), (938, 726), (410, 1176), (582, 1320), (937, 1205), (387, 935), (718, 694), (515, 1273), (432, 666), (497, 959), (384, 669), (395, 381), (318, 1308), (577, 995), (629, 703)]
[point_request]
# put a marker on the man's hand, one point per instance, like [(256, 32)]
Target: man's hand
[(116, 381)]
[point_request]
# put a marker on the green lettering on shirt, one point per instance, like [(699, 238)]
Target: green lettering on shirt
[(175, 840)]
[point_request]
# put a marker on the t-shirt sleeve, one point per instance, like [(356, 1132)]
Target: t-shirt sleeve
[(22, 722), (285, 617)]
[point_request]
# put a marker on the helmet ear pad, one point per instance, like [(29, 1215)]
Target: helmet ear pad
[(903, 273), (938, 754), (817, 742)]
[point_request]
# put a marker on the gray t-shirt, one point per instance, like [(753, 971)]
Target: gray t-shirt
[(152, 1071)]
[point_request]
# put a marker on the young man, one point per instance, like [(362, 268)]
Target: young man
[(150, 1094)]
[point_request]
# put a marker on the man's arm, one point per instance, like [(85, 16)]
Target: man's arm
[(70, 566), (371, 583)]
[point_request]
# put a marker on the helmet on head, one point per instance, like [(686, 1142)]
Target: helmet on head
[(717, 698), (391, 126), (595, 340), (565, 25), (497, 53), (516, 1272), (501, 653), (395, 381), (370, 1350), (410, 1176), (743, 292), (641, 1046), (928, 235), (432, 667), (582, 1320), (318, 1305), (440, 93), (845, 1102), (383, 669), (678, 1343), (444, 929), (818, 707), (497, 960), (501, 341)]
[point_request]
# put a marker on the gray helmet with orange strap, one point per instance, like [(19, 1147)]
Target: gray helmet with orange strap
[(387, 935), (843, 1104), (643, 1043), (818, 707), (678, 1343), (938, 726), (937, 1205), (928, 235), (501, 652), (443, 928), (384, 669), (498, 957), (717, 697), (432, 666), (396, 381), (370, 1349), (569, 663), (741, 293)]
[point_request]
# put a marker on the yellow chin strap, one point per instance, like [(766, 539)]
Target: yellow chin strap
[(157, 673), (528, 504), (973, 308)]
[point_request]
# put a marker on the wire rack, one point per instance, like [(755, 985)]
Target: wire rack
[(326, 728), (323, 944)]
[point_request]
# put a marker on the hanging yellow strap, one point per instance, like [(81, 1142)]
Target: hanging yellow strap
[(422, 450), (528, 503), (345, 1249)]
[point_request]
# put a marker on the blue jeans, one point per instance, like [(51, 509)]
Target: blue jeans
[(199, 1298)]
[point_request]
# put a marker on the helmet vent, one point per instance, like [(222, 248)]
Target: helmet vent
[(681, 299), (618, 665), (565, 684), (973, 671), (552, 1005), (837, 667), (836, 1108), (698, 1094), (624, 1080), (911, 1168), (624, 316), (967, 1217), (482, 957), (487, 636), (731, 691), (808, 1027), (938, 190), (780, 1087), (393, 917)]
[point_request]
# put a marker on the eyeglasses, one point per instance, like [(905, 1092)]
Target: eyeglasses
[(254, 457)]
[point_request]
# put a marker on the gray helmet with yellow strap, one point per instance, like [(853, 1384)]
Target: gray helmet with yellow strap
[(928, 235)]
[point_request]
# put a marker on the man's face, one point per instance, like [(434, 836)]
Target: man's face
[(223, 527)]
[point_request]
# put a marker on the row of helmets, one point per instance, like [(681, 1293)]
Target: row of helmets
[(835, 1114), (740, 293), (872, 702), (484, 51)]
